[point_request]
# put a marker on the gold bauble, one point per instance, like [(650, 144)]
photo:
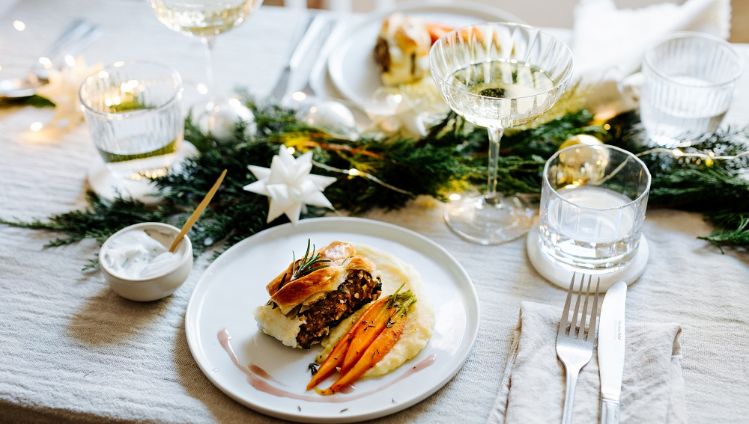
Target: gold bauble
[(585, 139), (582, 166)]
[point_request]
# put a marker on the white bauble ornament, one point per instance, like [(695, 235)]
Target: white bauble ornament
[(221, 117), (330, 116)]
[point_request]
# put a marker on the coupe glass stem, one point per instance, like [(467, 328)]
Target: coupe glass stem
[(495, 136), (209, 42)]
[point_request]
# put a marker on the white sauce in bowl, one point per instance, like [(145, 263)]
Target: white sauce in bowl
[(139, 254)]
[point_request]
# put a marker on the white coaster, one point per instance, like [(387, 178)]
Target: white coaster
[(560, 274), (109, 186)]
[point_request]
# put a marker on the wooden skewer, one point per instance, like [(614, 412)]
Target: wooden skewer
[(197, 212)]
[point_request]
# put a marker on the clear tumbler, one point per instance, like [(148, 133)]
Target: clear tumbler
[(593, 204), (689, 83)]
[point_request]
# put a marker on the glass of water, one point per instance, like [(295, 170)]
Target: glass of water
[(689, 83), (135, 118), (593, 204)]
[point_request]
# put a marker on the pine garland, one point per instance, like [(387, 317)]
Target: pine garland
[(451, 157)]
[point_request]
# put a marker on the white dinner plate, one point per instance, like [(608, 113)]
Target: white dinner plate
[(351, 66), (234, 285)]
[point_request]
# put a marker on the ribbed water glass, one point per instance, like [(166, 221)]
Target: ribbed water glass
[(134, 116), (593, 203), (689, 83)]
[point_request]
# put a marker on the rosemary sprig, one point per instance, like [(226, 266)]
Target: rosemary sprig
[(310, 262)]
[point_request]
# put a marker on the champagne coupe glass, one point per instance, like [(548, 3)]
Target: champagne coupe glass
[(204, 19), (497, 75)]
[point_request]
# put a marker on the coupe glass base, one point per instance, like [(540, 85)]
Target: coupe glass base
[(483, 222)]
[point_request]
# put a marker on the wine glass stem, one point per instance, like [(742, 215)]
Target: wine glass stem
[(208, 42), (495, 136)]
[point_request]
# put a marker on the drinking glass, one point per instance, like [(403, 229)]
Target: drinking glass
[(134, 116), (204, 19), (689, 82), (593, 203), (497, 75)]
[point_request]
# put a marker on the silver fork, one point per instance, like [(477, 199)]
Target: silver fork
[(575, 339)]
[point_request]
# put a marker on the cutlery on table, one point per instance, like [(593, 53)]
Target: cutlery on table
[(576, 336), (611, 351), (76, 35), (302, 46), (323, 36)]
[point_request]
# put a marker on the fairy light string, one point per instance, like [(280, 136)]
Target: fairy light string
[(353, 172)]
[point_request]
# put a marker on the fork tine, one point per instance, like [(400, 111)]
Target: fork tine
[(594, 313), (581, 333), (573, 323), (566, 310)]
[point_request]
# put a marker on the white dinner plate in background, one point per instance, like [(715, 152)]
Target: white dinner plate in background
[(351, 66)]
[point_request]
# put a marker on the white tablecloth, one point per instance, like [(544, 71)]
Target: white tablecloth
[(70, 349)]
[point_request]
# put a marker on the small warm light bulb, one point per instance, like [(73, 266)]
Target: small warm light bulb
[(45, 62), (298, 96), (202, 88), (454, 196), (19, 25), (129, 86), (36, 126), (112, 100)]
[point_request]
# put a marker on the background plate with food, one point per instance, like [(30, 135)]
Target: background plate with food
[(362, 264), (352, 67)]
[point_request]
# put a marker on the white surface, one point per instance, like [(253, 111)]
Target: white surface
[(352, 67), (234, 285), (599, 24), (72, 350), (559, 274)]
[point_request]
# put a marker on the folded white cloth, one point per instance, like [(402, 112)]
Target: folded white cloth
[(532, 389), (609, 43)]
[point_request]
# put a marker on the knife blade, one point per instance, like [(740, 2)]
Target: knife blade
[(611, 342), (301, 47)]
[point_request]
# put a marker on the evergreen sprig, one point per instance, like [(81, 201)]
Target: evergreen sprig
[(451, 157)]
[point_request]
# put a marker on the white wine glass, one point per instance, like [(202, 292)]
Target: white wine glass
[(497, 75), (204, 19)]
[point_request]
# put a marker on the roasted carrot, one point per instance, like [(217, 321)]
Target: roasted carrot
[(364, 336), (374, 353), (336, 356)]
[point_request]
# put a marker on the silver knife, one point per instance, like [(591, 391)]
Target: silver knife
[(311, 28), (611, 351)]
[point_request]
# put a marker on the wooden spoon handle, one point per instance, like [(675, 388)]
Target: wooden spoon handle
[(197, 212)]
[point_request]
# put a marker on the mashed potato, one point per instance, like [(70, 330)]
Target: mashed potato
[(393, 273)]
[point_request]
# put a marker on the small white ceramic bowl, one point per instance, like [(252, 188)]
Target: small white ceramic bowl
[(158, 286)]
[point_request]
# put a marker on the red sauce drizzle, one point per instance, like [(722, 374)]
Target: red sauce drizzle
[(259, 378), (251, 370)]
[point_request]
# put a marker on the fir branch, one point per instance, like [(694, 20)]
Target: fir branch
[(451, 157)]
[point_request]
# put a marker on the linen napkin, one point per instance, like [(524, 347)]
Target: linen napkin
[(609, 43), (532, 389)]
